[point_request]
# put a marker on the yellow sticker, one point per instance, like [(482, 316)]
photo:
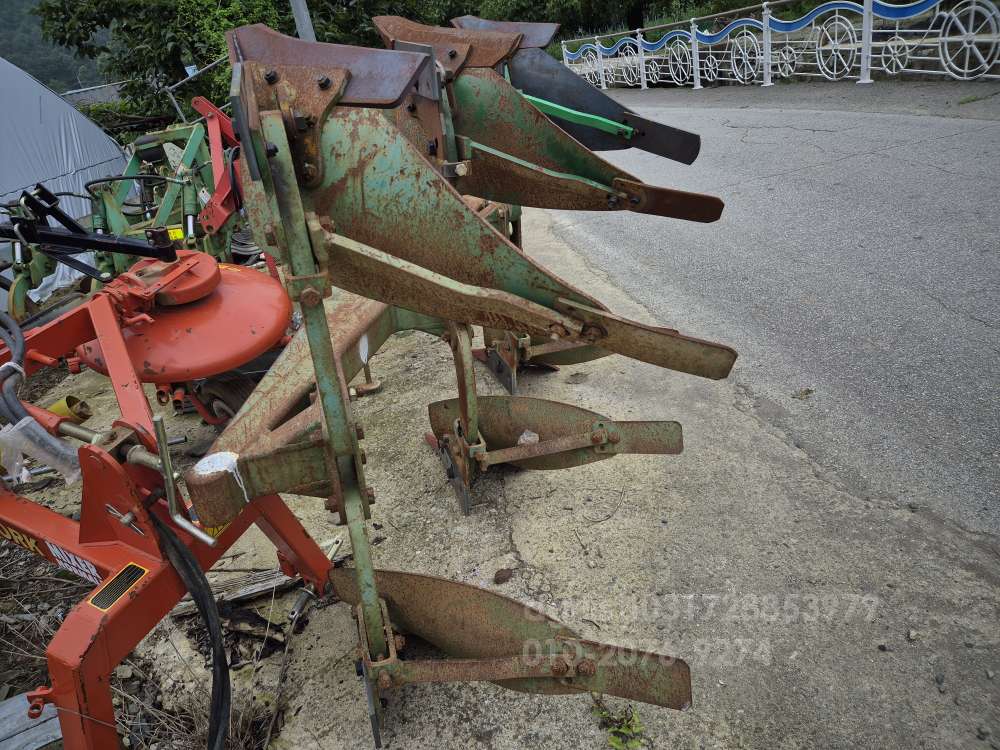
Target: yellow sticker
[(175, 233), (215, 531), (19, 538)]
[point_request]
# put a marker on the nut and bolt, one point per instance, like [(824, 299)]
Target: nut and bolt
[(309, 171), (400, 641), (411, 107), (452, 54), (586, 668), (597, 438), (461, 169), (559, 667), (384, 681), (271, 77), (613, 201), (557, 331), (310, 297), (324, 82), (271, 149)]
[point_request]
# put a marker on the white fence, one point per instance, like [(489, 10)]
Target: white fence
[(835, 40)]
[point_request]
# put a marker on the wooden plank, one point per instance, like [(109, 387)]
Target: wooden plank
[(18, 732), (240, 588)]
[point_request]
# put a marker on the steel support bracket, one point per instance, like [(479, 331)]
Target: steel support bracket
[(317, 282)]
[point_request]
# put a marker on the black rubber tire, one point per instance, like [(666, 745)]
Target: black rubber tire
[(225, 394)]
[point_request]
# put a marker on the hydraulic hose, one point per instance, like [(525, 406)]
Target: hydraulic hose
[(194, 579)]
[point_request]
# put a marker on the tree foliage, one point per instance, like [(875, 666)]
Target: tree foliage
[(21, 43), (149, 42)]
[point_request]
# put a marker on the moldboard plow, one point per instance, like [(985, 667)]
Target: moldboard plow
[(381, 173)]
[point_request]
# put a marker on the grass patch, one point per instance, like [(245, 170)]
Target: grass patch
[(625, 730)]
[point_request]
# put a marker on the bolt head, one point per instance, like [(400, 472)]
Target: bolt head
[(271, 149), (271, 76), (310, 297), (559, 667), (586, 668), (309, 171), (324, 82), (452, 54)]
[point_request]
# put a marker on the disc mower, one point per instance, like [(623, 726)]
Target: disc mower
[(367, 173)]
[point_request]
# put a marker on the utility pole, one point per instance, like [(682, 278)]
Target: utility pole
[(303, 23)]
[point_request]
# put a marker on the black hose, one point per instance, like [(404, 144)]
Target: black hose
[(194, 579)]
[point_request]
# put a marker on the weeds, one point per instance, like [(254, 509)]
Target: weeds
[(625, 730)]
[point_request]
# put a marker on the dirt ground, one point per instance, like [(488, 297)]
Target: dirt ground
[(810, 617)]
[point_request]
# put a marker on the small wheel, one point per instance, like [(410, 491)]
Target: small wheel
[(652, 71), (788, 61), (836, 48), (225, 394), (679, 63), (628, 57), (744, 56), (969, 43), (710, 69), (895, 55), (593, 72)]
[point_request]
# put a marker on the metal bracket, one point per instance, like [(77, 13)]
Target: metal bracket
[(319, 282)]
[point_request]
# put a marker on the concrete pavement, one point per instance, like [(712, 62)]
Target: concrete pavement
[(856, 269)]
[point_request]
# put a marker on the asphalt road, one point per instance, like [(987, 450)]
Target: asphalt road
[(855, 269)]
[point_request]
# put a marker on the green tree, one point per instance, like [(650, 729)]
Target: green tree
[(148, 43)]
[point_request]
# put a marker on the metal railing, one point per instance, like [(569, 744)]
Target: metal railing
[(836, 40)]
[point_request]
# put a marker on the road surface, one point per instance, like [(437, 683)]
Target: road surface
[(855, 269)]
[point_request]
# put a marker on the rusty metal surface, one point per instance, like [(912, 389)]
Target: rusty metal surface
[(664, 347), (298, 468), (498, 178), (460, 619), (660, 201), (486, 48), (508, 421), (264, 89), (489, 110), (550, 168), (365, 270), (378, 78), (532, 34), (270, 421), (469, 622), (380, 191)]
